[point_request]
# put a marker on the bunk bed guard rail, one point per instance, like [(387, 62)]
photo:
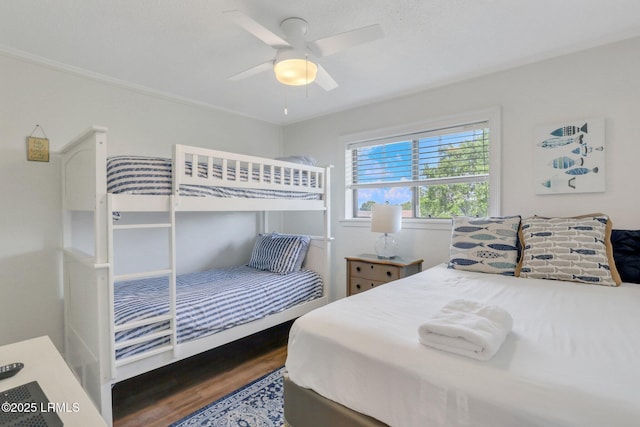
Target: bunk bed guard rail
[(220, 168)]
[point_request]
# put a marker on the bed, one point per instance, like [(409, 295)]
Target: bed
[(207, 302), (144, 175), (571, 358), (121, 324)]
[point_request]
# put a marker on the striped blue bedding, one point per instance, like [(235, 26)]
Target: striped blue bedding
[(153, 176), (209, 302)]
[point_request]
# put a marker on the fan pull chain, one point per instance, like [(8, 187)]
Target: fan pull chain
[(306, 71), (286, 110)]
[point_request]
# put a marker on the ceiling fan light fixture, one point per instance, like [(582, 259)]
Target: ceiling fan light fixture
[(295, 71)]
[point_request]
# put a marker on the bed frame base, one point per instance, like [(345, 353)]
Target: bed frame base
[(306, 408)]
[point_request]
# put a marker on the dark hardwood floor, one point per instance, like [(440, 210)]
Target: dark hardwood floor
[(167, 394)]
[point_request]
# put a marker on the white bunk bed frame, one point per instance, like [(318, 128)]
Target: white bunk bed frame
[(89, 278)]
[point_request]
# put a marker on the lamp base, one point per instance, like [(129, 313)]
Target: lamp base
[(386, 247)]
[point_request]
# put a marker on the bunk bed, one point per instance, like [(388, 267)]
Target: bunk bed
[(121, 325)]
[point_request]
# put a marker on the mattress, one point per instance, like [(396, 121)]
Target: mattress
[(571, 359), (153, 176), (209, 302)]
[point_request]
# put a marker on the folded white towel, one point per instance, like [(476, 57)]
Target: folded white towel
[(468, 328)]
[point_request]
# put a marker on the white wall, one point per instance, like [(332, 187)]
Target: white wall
[(31, 300), (601, 82)]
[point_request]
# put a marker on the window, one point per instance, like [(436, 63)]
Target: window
[(444, 170)]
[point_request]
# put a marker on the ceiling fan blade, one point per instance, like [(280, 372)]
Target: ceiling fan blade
[(324, 79), (257, 29), (265, 66), (333, 44)]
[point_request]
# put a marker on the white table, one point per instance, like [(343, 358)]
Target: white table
[(43, 363)]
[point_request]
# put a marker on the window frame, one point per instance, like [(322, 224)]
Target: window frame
[(492, 116)]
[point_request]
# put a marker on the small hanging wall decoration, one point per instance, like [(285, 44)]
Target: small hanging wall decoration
[(570, 157), (38, 148)]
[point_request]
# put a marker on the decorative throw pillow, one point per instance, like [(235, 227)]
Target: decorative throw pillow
[(304, 160), (575, 249), (305, 241), (139, 175), (487, 245), (278, 253), (626, 253)]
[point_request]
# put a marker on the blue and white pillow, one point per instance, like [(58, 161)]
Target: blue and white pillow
[(487, 245), (279, 253), (575, 249), (139, 175), (305, 241)]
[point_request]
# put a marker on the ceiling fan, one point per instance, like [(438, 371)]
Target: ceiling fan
[(293, 63)]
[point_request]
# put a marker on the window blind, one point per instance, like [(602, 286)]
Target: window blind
[(442, 156)]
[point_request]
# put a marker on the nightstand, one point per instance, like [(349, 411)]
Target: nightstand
[(368, 271)]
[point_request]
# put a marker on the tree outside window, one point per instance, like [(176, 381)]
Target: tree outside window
[(431, 174)]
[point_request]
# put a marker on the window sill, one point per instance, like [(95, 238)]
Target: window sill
[(407, 223)]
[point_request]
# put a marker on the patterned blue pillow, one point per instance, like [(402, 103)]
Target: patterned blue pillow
[(575, 249), (139, 175), (487, 245), (279, 253)]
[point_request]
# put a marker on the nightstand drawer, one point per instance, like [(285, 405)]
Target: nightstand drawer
[(358, 285), (368, 271), (379, 272)]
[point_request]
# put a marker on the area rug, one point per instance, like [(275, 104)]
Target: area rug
[(258, 404)]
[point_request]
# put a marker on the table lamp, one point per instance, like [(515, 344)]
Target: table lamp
[(386, 219)]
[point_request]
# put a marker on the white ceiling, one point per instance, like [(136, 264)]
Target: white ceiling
[(187, 48)]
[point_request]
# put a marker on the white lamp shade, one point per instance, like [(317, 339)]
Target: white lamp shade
[(386, 218), (293, 68)]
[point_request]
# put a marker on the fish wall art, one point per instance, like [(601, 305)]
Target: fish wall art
[(569, 157)]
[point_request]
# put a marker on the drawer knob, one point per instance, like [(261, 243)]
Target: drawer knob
[(358, 269), (372, 285), (358, 286), (388, 274), (371, 266)]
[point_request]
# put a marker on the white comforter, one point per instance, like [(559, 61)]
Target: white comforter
[(571, 359)]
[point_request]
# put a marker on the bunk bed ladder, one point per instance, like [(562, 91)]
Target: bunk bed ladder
[(327, 228), (170, 317)]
